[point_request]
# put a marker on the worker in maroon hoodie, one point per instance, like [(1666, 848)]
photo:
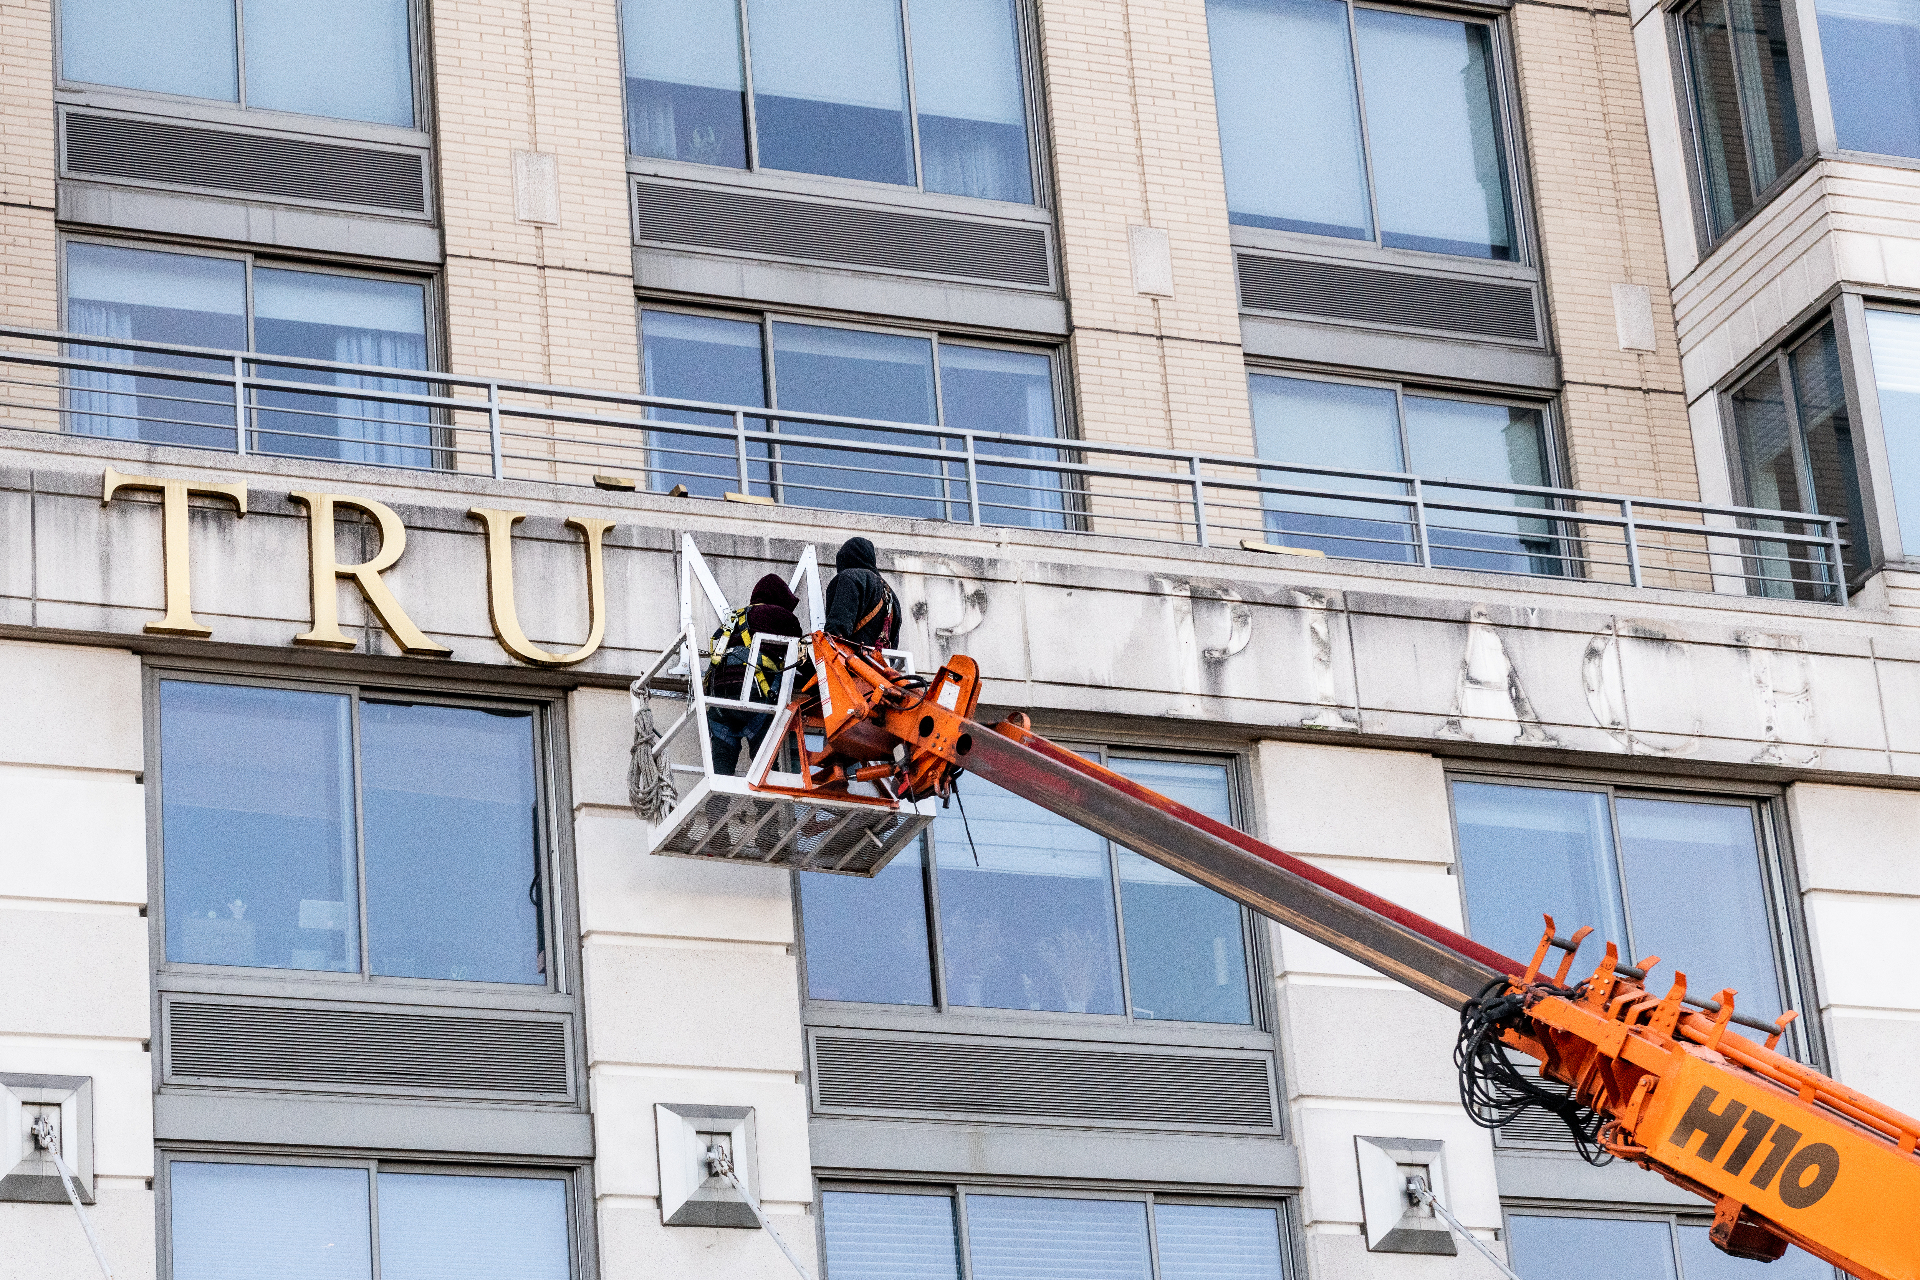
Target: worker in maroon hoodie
[(769, 614)]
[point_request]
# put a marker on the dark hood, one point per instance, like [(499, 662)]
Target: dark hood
[(773, 590), (856, 553)]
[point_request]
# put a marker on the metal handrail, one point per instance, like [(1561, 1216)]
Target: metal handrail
[(506, 428)]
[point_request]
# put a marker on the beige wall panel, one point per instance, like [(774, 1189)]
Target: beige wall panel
[(1342, 801), (1599, 223), (625, 889), (730, 1007), (634, 1246), (28, 160), (73, 837), (46, 1241), (29, 289), (83, 973), (70, 706)]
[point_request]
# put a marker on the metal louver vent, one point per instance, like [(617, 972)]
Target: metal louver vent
[(364, 1047), (1534, 1127), (1165, 1090), (1337, 291), (893, 241), (112, 147)]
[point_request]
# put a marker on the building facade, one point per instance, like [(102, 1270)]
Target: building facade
[(1468, 445)]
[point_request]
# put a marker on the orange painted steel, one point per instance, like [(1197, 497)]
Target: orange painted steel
[(1782, 1152)]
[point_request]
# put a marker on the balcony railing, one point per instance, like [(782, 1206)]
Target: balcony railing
[(243, 403)]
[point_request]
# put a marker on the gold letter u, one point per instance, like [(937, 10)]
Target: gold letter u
[(506, 618)]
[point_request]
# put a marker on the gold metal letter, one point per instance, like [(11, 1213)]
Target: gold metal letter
[(506, 617), (326, 633), (179, 620)]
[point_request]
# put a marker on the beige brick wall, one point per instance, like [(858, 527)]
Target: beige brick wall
[(1623, 412), (28, 156), (530, 301), (1135, 144)]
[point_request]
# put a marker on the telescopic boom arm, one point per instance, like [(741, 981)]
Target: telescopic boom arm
[(1784, 1153)]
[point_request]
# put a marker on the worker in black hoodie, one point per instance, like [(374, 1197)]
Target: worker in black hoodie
[(769, 613), (861, 607)]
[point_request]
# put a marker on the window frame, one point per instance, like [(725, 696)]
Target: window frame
[(1687, 109), (1845, 309), (1525, 262), (435, 338), (1259, 1032), (1547, 406), (219, 110), (558, 910), (1285, 1205), (1039, 155), (1674, 1218), (582, 1256), (1786, 921), (765, 318)]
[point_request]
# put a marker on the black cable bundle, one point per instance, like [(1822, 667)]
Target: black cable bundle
[(1493, 1089)]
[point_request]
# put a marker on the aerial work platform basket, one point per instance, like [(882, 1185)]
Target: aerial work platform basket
[(771, 816)]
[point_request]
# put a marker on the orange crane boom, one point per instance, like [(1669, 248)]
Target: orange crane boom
[(1784, 1153)]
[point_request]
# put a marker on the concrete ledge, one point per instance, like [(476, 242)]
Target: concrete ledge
[(1351, 347), (1039, 1151), (206, 217), (474, 1128), (1547, 1176)]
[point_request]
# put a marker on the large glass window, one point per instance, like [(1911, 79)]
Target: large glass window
[(1872, 53), (925, 93), (1636, 868), (1362, 428), (239, 304), (1894, 337), (1795, 452), (1739, 84), (348, 59), (919, 1235), (1342, 120), (916, 378), (349, 832), (1564, 1247), (318, 1222), (1033, 912)]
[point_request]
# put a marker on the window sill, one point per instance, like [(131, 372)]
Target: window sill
[(874, 194), (1332, 248), (203, 111), (301, 984), (1081, 1028)]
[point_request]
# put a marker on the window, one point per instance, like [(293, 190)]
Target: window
[(1035, 913), (1739, 84), (235, 303), (318, 1222), (1794, 443), (1337, 119), (925, 1235), (348, 59), (1636, 868), (1894, 338), (1372, 428), (1557, 1247), (865, 373), (924, 93), (351, 832), (1872, 52)]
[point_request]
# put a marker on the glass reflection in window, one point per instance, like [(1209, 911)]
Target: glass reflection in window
[(1872, 53)]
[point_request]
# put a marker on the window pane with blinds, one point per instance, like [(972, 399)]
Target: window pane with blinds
[(866, 940), (686, 89), (873, 1236), (969, 99), (1030, 925), (1551, 1248), (1217, 1242), (346, 59), (184, 47), (448, 1227), (1496, 444), (1529, 850), (291, 1222), (257, 824), (1894, 337), (1186, 953), (1332, 424), (451, 821), (1872, 50), (1030, 1238), (830, 88), (1699, 1260), (1740, 82)]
